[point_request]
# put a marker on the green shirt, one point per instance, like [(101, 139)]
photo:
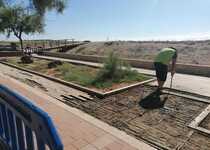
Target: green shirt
[(165, 56)]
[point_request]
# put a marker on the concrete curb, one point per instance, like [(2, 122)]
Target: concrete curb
[(185, 94), (10, 53), (202, 70), (197, 121), (191, 97)]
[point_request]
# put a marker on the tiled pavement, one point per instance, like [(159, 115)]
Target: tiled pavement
[(78, 130)]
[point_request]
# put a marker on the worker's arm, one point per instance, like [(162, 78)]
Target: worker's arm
[(173, 67)]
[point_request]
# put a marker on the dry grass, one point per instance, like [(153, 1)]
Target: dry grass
[(193, 52)]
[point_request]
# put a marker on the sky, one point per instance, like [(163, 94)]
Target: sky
[(101, 20)]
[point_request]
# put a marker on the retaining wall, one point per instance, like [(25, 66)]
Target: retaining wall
[(192, 69), (10, 54)]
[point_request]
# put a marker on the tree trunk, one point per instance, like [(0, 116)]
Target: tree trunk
[(21, 43)]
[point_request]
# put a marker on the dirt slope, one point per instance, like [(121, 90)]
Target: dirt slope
[(193, 52)]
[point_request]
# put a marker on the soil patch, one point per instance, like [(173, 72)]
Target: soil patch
[(206, 122), (197, 142), (164, 127)]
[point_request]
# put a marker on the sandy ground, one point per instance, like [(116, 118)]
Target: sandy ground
[(193, 52)]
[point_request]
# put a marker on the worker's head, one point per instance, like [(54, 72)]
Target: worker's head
[(176, 52)]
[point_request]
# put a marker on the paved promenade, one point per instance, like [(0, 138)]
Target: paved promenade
[(78, 130)]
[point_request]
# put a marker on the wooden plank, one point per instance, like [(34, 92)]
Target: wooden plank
[(195, 123), (204, 100)]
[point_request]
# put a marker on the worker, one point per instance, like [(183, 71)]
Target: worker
[(161, 63)]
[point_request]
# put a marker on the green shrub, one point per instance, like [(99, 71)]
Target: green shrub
[(115, 70), (81, 75), (110, 69)]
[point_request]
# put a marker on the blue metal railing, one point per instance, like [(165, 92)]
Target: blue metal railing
[(23, 126)]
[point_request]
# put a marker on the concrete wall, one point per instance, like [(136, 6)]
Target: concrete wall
[(6, 49), (181, 68), (11, 47), (10, 54)]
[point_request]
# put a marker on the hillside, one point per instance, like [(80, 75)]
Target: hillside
[(193, 52)]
